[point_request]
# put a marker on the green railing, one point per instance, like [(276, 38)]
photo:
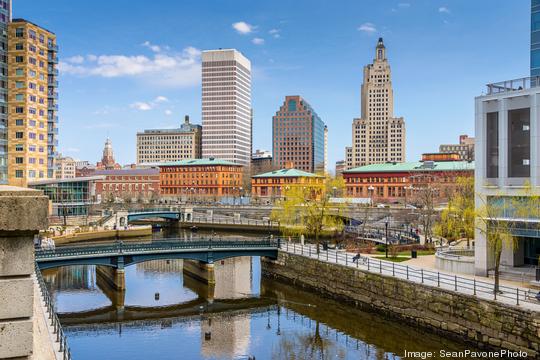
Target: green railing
[(168, 245)]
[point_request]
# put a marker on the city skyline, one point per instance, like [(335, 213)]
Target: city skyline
[(101, 99)]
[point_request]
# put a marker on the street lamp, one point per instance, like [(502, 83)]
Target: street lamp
[(334, 188), (386, 238)]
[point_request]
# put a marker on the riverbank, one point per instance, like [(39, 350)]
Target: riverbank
[(132, 232), (484, 323)]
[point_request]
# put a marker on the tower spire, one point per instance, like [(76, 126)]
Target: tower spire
[(380, 50)]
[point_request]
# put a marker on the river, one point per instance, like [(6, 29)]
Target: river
[(166, 314)]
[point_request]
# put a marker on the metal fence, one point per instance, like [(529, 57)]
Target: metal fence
[(232, 221), (170, 244), (54, 322), (463, 285)]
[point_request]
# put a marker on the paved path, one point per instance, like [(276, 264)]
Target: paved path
[(482, 288)]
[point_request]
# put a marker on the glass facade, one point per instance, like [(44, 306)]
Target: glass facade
[(535, 37), (492, 145), (69, 198), (519, 143), (5, 16)]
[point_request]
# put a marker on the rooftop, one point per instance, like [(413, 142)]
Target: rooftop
[(513, 85), (198, 162), (58, 181), (287, 173), (415, 166), (127, 172)]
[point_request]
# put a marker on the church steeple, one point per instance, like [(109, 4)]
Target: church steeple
[(380, 53)]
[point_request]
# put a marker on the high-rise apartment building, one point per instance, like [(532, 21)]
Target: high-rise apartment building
[(298, 135), (5, 17), (165, 145), (226, 106), (377, 137), (32, 102), (535, 38)]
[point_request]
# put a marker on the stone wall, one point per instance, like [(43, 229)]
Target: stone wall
[(484, 323)]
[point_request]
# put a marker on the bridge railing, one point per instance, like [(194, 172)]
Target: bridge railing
[(53, 317), (171, 244), (232, 221), (452, 282)]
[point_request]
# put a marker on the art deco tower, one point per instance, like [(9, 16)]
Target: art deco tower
[(377, 137)]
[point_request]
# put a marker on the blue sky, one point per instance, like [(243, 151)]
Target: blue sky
[(128, 65)]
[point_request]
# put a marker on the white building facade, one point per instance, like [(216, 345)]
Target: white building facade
[(507, 148), (226, 106)]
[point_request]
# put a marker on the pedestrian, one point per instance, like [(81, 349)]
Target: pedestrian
[(356, 257)]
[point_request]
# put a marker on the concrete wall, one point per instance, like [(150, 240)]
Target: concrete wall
[(481, 322), (23, 213)]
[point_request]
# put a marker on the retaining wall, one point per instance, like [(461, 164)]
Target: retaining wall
[(487, 324)]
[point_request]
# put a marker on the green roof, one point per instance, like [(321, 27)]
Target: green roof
[(195, 162), (415, 166), (287, 173)]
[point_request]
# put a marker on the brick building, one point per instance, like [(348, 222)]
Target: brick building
[(397, 182), (273, 184), (127, 183), (201, 178)]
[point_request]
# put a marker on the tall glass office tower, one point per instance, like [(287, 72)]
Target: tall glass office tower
[(5, 17), (535, 38)]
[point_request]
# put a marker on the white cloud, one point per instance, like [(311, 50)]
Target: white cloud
[(77, 59), (140, 105), (168, 112), (72, 150), (368, 28), (444, 9), (154, 48), (258, 41), (275, 33), (404, 5), (161, 99), (170, 69), (243, 27)]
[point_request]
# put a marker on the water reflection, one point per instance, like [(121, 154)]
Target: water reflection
[(241, 316)]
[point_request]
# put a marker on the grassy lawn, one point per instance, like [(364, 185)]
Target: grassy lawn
[(389, 258), (408, 253)]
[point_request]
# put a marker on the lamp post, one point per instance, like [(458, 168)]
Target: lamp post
[(386, 238), (334, 191)]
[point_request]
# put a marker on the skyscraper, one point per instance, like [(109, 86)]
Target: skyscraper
[(377, 137), (535, 38), (32, 103), (298, 135), (5, 17), (226, 106)]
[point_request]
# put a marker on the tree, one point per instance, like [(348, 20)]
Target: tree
[(306, 209), (498, 218), (425, 197), (457, 220)]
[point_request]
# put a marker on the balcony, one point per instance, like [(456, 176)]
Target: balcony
[(52, 83), (52, 71), (513, 85), (52, 59), (53, 95), (52, 107), (52, 47)]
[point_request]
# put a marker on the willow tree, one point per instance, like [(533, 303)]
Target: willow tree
[(305, 208), (499, 217), (458, 218)]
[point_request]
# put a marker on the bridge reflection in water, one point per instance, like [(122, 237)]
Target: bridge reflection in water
[(240, 316)]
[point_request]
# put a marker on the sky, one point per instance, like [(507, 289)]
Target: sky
[(130, 65)]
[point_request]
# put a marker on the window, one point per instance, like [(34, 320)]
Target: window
[(19, 147), (19, 122), (19, 46), (19, 135), (19, 84), (519, 143), (19, 72), (492, 145), (19, 160), (19, 59), (19, 97), (18, 173), (19, 32)]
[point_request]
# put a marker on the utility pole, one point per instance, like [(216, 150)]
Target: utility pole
[(386, 247)]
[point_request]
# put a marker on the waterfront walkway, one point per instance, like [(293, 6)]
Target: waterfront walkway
[(481, 288)]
